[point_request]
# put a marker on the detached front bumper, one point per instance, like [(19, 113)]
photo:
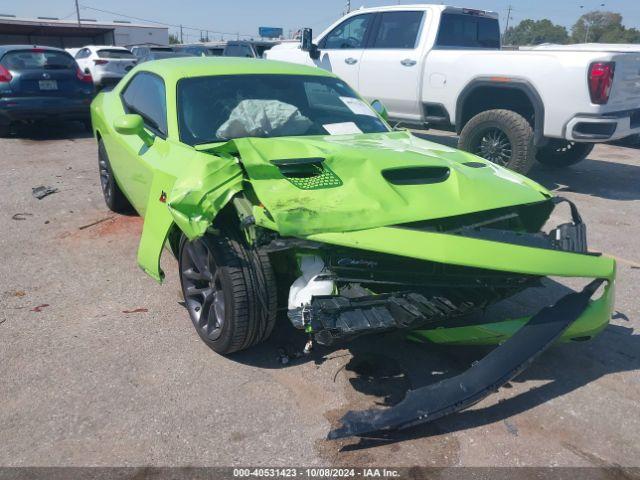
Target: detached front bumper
[(603, 128)]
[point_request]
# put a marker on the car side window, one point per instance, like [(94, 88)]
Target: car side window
[(146, 95), (398, 30), (349, 34)]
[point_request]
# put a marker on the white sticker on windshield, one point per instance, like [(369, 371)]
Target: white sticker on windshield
[(344, 128), (357, 106)]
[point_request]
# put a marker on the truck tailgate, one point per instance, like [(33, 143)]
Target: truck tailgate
[(625, 93)]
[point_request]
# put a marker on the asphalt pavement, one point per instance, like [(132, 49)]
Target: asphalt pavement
[(101, 366)]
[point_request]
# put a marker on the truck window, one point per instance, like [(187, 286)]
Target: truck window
[(349, 34), (398, 30), (468, 31)]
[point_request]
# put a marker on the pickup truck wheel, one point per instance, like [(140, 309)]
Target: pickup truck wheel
[(503, 137), (229, 290), (560, 153), (113, 196)]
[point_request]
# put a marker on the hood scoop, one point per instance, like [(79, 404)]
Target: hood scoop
[(308, 173), (416, 175)]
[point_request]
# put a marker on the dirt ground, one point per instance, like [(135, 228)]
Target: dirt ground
[(101, 366)]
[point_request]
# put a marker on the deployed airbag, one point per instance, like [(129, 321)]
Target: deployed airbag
[(262, 118)]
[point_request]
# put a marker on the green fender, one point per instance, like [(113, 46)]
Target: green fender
[(190, 201)]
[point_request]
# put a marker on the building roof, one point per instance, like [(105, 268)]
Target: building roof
[(55, 22)]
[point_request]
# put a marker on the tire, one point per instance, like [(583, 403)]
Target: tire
[(87, 125), (561, 153), (503, 137), (113, 196), (229, 290)]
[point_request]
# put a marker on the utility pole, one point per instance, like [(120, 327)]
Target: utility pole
[(506, 25), (347, 8), (78, 12), (181, 34)]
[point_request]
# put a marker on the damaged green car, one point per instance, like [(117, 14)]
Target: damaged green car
[(278, 188)]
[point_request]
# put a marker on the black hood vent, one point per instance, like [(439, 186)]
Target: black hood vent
[(416, 175)]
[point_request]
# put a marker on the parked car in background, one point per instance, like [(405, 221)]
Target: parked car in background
[(106, 64), (42, 83), (144, 50), (161, 55), (442, 66), (202, 49), (247, 48)]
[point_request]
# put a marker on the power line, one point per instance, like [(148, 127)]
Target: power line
[(162, 23)]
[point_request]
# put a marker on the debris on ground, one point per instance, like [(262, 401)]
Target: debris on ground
[(18, 293), (39, 307), (136, 310), (42, 191), (21, 216), (95, 223)]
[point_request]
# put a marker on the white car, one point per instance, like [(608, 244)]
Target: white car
[(106, 64), (443, 66)]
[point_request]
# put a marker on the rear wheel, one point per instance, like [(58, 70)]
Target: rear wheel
[(229, 290), (561, 153), (113, 196), (503, 137)]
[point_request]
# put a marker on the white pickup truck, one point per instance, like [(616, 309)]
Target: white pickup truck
[(442, 66)]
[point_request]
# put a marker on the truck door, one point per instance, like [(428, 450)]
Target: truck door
[(390, 67), (341, 49)]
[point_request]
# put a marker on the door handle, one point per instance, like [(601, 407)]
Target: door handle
[(407, 62), (350, 61)]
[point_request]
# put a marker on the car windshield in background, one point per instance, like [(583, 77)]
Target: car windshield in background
[(19, 60), (468, 31), (116, 54), (161, 49), (218, 108)]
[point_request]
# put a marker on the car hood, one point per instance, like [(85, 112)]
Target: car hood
[(317, 184)]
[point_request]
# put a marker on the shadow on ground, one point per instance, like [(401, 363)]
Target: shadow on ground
[(595, 176), (384, 367), (65, 130)]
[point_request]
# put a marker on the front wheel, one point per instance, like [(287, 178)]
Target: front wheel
[(229, 290), (561, 153), (503, 137)]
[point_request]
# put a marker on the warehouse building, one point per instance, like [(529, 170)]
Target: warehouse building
[(54, 32)]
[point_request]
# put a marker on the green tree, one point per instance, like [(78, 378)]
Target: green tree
[(535, 32), (603, 27), (173, 39)]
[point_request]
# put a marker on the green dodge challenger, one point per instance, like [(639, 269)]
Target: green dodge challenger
[(278, 188)]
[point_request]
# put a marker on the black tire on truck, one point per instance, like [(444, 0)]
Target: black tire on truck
[(229, 290), (113, 196), (562, 153), (501, 136)]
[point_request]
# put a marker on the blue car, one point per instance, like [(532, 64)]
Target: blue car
[(42, 83)]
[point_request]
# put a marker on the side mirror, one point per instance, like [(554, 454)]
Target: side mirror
[(380, 109), (132, 124), (308, 45)]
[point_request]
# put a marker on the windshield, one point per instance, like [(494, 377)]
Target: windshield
[(34, 59), (218, 108), (116, 53)]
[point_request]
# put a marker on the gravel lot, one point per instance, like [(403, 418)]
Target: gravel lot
[(101, 366)]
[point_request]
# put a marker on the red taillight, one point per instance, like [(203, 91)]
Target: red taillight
[(100, 62), (83, 77), (5, 75), (600, 81), (38, 50)]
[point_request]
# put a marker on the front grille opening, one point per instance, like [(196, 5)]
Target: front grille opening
[(416, 175)]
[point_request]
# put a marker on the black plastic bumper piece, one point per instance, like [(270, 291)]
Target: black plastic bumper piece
[(483, 378)]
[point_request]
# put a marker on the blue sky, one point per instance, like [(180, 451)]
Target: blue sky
[(244, 16)]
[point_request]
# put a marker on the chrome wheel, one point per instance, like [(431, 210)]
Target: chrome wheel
[(494, 145), (202, 288)]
